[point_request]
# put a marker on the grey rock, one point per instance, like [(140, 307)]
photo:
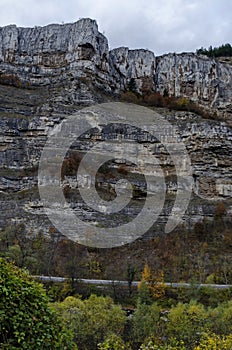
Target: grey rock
[(59, 69), (70, 52)]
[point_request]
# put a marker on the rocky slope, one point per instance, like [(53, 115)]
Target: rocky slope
[(47, 73)]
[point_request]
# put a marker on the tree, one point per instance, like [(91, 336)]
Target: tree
[(26, 320), (154, 281), (214, 341), (91, 320), (27, 250), (67, 258), (165, 92), (223, 50), (131, 271), (132, 85), (145, 322), (186, 322), (221, 319), (113, 342)]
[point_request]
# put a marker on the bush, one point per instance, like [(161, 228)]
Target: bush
[(130, 97), (213, 341), (156, 99), (12, 80), (146, 322), (91, 320), (220, 319), (186, 322), (132, 85), (26, 320), (220, 210), (113, 342), (173, 344)]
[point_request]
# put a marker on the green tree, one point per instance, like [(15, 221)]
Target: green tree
[(132, 85), (26, 250), (220, 319), (223, 50), (113, 342), (131, 271), (144, 294), (145, 322), (26, 320), (186, 322), (91, 320), (165, 92)]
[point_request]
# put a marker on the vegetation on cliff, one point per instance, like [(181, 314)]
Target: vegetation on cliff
[(221, 51)]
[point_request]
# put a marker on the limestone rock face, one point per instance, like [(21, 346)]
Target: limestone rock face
[(71, 52), (126, 64), (44, 55), (204, 80), (58, 69)]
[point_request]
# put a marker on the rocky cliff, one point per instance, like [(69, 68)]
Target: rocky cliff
[(47, 73), (56, 53)]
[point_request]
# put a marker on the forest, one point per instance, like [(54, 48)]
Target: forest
[(71, 315), (221, 51), (192, 319)]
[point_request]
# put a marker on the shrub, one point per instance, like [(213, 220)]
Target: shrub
[(113, 342), (130, 97), (220, 319), (132, 85), (26, 320), (146, 322), (91, 320), (220, 210), (173, 344), (213, 341), (186, 322), (12, 80), (154, 99)]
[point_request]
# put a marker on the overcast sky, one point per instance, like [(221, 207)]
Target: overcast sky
[(159, 25)]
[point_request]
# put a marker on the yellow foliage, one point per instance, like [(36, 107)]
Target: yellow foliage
[(215, 342), (146, 275), (183, 102), (154, 281)]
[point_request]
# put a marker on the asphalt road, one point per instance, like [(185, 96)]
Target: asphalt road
[(125, 283)]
